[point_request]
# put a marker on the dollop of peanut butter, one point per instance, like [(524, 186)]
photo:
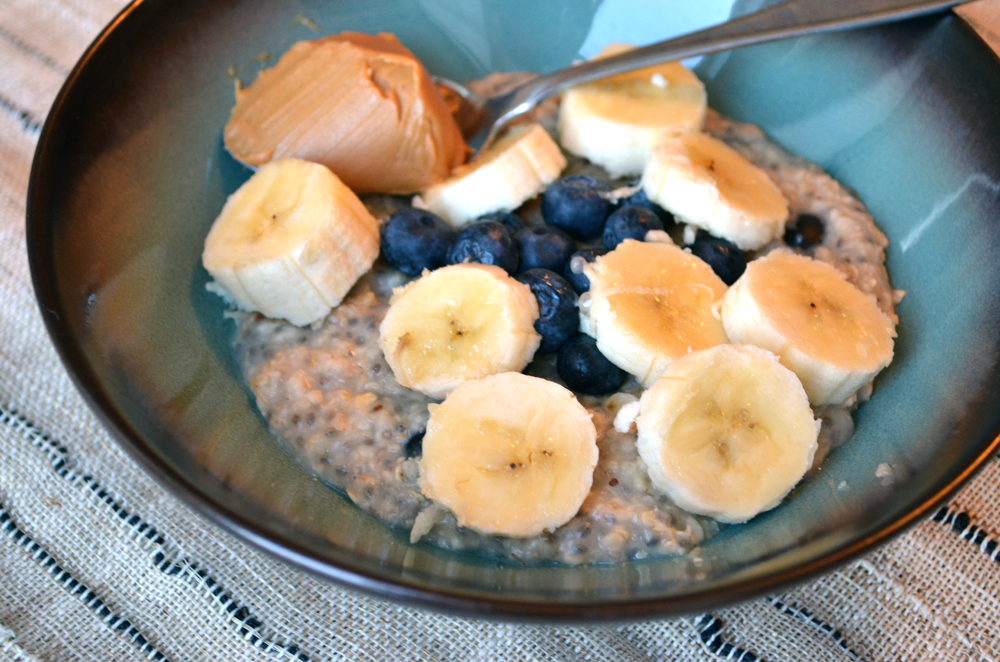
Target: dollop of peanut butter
[(362, 105)]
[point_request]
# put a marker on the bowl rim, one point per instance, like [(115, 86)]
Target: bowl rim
[(39, 240)]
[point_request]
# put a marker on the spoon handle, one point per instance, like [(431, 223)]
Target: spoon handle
[(789, 19)]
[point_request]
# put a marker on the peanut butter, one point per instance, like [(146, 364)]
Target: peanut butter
[(362, 105)]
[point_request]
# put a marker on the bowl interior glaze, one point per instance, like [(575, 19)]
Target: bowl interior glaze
[(130, 172)]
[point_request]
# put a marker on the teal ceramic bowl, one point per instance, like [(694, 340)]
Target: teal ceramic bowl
[(130, 172)]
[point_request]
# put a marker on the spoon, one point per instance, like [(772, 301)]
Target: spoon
[(482, 119)]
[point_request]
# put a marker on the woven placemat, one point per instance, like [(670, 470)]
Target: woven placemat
[(97, 562)]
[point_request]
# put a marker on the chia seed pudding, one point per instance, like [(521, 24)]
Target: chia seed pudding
[(330, 398)]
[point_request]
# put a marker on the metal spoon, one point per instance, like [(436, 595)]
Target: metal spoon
[(483, 119)]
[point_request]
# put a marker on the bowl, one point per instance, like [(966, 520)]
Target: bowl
[(130, 172)]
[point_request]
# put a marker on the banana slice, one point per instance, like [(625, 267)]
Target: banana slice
[(727, 432), (616, 122), (509, 454), (650, 303), (517, 167), (291, 242), (829, 333), (706, 183), (458, 323)]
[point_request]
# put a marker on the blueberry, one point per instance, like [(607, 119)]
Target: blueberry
[(545, 247), (413, 240), (414, 445), (585, 370), (639, 199), (632, 222), (513, 223), (574, 204), (485, 242), (805, 232), (558, 318), (726, 259), (579, 281)]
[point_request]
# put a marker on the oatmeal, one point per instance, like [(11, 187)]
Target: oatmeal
[(297, 244), (332, 402), (330, 398)]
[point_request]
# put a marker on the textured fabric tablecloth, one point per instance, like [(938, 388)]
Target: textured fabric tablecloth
[(97, 562)]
